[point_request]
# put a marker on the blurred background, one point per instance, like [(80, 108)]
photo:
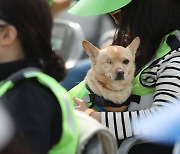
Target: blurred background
[(68, 33)]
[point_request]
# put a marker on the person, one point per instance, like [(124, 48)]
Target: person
[(41, 108), (156, 81)]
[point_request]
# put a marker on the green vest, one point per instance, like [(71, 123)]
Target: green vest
[(81, 91), (69, 140), (163, 49)]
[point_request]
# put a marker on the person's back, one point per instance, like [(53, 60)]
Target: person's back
[(30, 73)]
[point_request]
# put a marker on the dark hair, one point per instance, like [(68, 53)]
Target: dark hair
[(151, 20), (33, 21)]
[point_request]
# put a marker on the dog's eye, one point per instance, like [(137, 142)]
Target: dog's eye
[(126, 61), (110, 62)]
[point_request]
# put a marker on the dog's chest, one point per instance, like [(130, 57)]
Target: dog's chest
[(100, 104)]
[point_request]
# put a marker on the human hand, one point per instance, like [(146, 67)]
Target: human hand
[(80, 104)]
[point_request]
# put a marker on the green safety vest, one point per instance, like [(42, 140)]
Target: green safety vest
[(80, 91), (138, 89), (68, 143)]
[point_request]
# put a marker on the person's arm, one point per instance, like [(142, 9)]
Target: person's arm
[(167, 91)]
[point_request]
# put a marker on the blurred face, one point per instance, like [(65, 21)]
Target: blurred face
[(116, 16)]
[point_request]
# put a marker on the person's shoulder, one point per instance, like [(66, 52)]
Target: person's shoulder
[(31, 91), (31, 86), (173, 54), (169, 56)]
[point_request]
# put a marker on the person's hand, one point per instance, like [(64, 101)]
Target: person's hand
[(80, 104)]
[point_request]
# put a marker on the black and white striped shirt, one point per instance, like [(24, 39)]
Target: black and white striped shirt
[(165, 77)]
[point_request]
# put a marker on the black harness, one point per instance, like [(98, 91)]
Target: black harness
[(99, 100), (173, 41)]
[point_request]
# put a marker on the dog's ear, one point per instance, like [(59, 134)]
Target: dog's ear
[(90, 49), (133, 46)]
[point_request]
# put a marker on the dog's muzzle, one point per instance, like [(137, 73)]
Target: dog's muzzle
[(119, 74)]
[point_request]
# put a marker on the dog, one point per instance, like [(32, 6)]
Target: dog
[(108, 82)]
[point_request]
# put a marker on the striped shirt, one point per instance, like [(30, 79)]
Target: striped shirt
[(165, 77)]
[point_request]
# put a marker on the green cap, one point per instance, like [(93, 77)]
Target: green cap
[(96, 7)]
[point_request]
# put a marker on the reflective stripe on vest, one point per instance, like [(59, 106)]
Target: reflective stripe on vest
[(69, 139)]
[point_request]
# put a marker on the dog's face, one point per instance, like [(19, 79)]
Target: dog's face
[(113, 65)]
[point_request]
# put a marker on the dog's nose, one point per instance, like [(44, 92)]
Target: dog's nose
[(120, 74), (119, 71)]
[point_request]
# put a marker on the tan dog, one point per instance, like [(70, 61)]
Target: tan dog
[(112, 71)]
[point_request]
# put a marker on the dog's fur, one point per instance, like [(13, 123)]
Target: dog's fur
[(112, 71)]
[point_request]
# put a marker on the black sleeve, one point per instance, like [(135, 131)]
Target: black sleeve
[(36, 113)]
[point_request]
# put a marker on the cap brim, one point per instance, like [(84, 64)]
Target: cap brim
[(97, 7)]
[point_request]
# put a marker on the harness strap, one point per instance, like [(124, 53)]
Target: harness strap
[(174, 41), (98, 100)]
